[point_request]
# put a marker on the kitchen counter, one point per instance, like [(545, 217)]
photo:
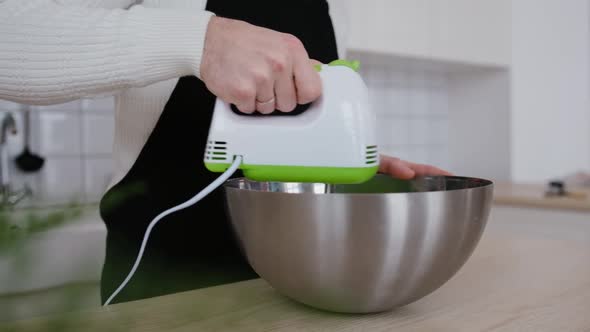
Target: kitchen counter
[(38, 267), (533, 195), (526, 274)]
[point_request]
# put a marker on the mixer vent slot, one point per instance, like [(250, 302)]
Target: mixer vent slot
[(216, 150), (371, 154)]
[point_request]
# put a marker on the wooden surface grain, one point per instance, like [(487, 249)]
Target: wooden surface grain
[(528, 273), (533, 195)]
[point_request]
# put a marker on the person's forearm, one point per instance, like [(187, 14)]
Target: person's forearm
[(52, 53)]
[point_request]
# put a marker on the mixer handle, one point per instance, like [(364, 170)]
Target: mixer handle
[(299, 109)]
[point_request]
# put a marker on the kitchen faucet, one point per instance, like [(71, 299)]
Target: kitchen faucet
[(7, 195), (8, 124)]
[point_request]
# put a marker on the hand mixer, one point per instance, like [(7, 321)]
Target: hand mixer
[(331, 140)]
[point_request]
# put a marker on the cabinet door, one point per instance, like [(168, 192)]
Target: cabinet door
[(468, 31), (471, 31), (389, 26)]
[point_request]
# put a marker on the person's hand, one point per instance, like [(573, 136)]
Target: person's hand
[(406, 170), (256, 68)]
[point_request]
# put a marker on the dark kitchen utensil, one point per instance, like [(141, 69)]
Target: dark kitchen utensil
[(26, 160)]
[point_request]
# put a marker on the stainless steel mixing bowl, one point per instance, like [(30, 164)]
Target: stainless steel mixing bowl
[(359, 248)]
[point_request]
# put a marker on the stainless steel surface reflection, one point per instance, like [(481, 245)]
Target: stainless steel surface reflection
[(359, 248)]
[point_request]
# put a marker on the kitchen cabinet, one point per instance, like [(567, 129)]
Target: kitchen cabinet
[(472, 32), (389, 26)]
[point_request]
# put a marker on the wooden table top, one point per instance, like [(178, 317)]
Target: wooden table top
[(525, 275)]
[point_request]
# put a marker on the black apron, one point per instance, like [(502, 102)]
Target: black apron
[(195, 247)]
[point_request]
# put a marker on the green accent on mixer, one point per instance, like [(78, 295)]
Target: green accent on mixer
[(354, 65), (330, 175)]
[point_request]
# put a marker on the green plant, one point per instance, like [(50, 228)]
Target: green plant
[(15, 230), (17, 226)]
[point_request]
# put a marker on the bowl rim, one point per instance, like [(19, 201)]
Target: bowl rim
[(482, 184)]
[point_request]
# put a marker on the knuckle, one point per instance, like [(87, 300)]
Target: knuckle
[(286, 106), (243, 92), (309, 92), (260, 77), (292, 41), (278, 63)]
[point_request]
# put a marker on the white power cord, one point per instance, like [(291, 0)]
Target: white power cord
[(219, 181)]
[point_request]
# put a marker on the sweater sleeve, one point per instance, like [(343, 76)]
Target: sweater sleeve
[(107, 4), (52, 53)]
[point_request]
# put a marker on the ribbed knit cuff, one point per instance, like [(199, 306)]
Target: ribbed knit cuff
[(167, 43)]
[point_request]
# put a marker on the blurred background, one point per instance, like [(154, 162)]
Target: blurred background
[(496, 89)]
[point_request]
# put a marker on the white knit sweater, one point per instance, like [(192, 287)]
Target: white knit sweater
[(55, 51)]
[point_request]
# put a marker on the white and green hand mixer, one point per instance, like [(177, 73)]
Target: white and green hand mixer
[(333, 141)]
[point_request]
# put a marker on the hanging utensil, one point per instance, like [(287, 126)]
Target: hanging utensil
[(26, 160)]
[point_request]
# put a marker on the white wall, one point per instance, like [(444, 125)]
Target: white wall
[(480, 124), (550, 88)]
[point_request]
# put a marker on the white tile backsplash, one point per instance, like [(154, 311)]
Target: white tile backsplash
[(418, 101), (418, 79), (393, 130), (397, 78), (6, 105), (397, 101), (72, 106), (439, 131), (440, 157), (419, 153), (439, 101), (76, 140), (377, 96), (398, 151), (419, 131), (412, 111), (97, 133), (61, 178), (97, 173), (59, 132), (438, 80), (104, 106), (384, 133)]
